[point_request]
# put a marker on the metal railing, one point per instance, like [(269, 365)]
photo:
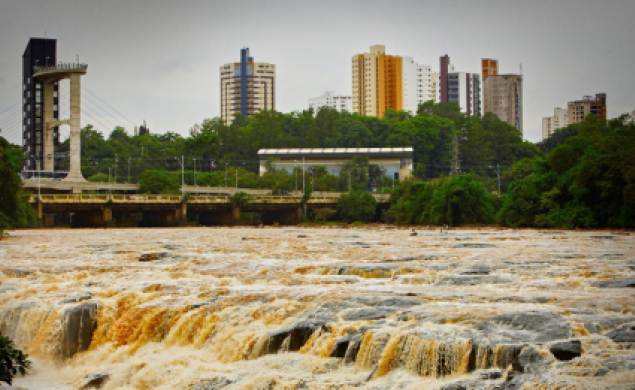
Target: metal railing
[(116, 198), (60, 66)]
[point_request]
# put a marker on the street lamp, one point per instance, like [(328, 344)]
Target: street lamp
[(182, 161), (116, 160), (295, 173)]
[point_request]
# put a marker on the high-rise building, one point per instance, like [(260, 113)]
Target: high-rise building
[(417, 84), (434, 86), (246, 87), (329, 99), (458, 87), (382, 81), (551, 123), (579, 109), (502, 94), (38, 52)]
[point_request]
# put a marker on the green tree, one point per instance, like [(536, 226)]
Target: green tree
[(12, 361), (356, 206), (159, 182), (15, 210)]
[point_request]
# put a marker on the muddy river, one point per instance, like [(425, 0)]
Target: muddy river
[(321, 308)]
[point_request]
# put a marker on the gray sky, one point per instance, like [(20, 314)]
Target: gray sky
[(158, 60)]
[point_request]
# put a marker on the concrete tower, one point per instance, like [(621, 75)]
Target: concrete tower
[(49, 76)]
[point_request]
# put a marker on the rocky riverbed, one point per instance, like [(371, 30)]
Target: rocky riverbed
[(331, 308)]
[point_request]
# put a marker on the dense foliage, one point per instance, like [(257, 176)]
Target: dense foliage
[(214, 147), (356, 206), (588, 181), (452, 200), (15, 211), (12, 361)]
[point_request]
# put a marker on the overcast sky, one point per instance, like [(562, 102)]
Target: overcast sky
[(158, 60)]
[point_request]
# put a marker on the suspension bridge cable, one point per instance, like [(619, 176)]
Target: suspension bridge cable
[(7, 109), (87, 90)]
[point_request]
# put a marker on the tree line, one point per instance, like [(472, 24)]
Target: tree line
[(485, 143), (582, 176)]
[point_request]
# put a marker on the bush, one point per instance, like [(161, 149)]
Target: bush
[(462, 200), (240, 198), (451, 200), (12, 361), (356, 206)]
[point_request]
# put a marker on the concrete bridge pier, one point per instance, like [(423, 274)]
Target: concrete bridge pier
[(93, 218)]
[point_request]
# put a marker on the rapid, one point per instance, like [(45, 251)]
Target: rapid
[(320, 308)]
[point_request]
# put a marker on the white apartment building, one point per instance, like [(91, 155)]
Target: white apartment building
[(417, 84), (552, 123), (329, 99)]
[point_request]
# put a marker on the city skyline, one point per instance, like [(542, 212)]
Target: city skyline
[(159, 61)]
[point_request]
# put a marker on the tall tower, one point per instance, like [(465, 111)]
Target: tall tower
[(41, 73), (459, 87), (377, 82), (246, 87), (38, 52), (502, 94)]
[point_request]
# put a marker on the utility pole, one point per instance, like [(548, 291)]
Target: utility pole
[(116, 159), (303, 175), (194, 171), (182, 176), (109, 183), (498, 175), (128, 169), (456, 163), (295, 174)]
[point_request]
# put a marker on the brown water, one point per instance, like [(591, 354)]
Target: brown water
[(217, 305)]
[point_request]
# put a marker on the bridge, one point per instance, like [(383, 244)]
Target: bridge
[(96, 210)]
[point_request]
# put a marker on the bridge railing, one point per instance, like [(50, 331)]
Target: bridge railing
[(116, 198)]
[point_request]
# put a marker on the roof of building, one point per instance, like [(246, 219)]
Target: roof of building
[(333, 152)]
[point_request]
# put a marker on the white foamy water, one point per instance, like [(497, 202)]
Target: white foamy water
[(293, 308)]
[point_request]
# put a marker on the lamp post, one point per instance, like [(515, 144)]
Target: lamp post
[(295, 174), (116, 160), (182, 162)]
